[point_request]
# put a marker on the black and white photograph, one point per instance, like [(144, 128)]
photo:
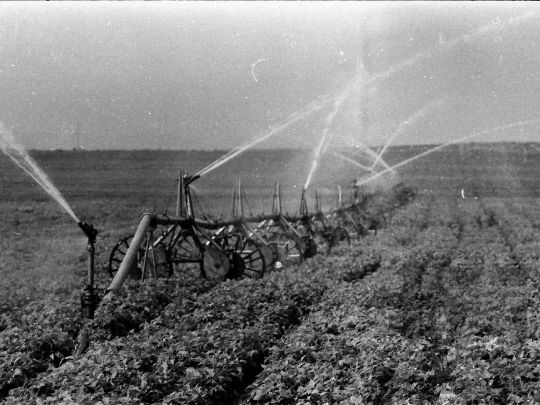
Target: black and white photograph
[(269, 202)]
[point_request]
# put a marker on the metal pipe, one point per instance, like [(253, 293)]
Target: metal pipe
[(91, 249), (89, 299), (187, 195), (131, 256), (216, 224), (219, 223), (190, 179)]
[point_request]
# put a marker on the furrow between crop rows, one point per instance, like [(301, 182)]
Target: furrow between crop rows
[(435, 303), (434, 319), (42, 335), (204, 348)]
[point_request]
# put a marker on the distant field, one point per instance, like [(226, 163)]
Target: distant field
[(147, 179)]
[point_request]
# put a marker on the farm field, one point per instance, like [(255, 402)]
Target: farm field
[(443, 302)]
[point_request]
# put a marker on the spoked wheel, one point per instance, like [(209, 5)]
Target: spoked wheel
[(117, 256), (157, 260), (185, 254), (246, 256), (287, 250), (254, 259)]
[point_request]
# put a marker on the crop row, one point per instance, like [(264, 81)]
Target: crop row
[(43, 334), (440, 317), (199, 348), (367, 340), (443, 299)]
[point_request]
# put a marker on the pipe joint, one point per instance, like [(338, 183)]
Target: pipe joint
[(153, 219)]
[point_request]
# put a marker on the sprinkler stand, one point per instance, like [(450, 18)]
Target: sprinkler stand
[(89, 298)]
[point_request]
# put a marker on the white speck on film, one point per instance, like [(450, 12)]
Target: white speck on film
[(253, 67)]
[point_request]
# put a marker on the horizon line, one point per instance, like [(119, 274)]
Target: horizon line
[(82, 149)]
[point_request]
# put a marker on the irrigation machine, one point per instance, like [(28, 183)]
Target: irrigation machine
[(235, 248), (239, 247)]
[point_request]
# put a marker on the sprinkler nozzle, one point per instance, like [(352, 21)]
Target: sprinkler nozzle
[(89, 231), (191, 179)]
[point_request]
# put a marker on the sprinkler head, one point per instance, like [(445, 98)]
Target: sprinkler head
[(89, 231), (190, 179)]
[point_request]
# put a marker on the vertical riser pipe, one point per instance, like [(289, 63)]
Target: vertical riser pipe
[(130, 258), (91, 264)]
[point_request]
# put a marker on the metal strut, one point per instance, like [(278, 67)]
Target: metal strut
[(180, 204), (276, 199), (190, 214), (237, 203), (303, 204), (318, 208)]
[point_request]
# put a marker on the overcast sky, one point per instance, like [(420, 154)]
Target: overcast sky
[(210, 75)]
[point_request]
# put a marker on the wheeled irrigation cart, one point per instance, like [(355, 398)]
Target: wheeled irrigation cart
[(239, 247), (234, 248), (219, 249)]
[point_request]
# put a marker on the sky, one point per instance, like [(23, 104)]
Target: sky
[(213, 75)]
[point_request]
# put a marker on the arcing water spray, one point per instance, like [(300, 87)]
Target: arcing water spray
[(295, 117), (368, 151), (446, 46), (326, 136), (408, 122), (348, 159), (404, 162), (22, 159)]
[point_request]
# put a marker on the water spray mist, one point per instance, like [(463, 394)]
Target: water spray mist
[(276, 129), (407, 123), (487, 131), (20, 156)]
